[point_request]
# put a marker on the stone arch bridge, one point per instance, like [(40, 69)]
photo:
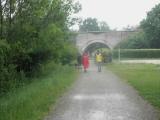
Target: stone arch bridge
[(110, 39)]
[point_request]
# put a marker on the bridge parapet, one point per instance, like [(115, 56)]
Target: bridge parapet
[(111, 38)]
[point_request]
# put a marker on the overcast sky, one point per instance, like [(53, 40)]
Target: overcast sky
[(117, 13)]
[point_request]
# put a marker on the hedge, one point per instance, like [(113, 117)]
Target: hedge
[(137, 53)]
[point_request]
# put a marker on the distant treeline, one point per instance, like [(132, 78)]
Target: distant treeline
[(33, 32)]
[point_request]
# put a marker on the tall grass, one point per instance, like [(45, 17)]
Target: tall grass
[(32, 102), (144, 77)]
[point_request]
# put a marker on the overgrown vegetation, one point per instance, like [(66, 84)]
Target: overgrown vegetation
[(32, 102), (33, 32), (144, 77)]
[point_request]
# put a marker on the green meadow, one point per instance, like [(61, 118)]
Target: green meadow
[(145, 78)]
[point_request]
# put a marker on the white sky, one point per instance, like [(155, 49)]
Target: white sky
[(117, 13)]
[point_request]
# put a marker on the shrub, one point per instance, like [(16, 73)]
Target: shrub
[(69, 54), (7, 70), (137, 53), (107, 56)]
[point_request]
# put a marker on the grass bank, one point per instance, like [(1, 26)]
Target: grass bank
[(32, 102), (143, 77)]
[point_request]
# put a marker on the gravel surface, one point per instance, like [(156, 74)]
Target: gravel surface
[(102, 96)]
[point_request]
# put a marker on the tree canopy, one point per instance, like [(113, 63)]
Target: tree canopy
[(136, 41), (92, 24), (33, 32), (151, 26), (149, 32)]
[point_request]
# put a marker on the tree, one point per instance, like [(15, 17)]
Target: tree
[(103, 26), (89, 24), (1, 19), (33, 32), (136, 41), (151, 26), (92, 24)]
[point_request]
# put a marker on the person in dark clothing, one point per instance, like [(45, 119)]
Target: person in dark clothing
[(79, 60)]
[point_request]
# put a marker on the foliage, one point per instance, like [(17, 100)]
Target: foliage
[(33, 102), (151, 26), (69, 54), (6, 69), (107, 56), (92, 24), (143, 77), (33, 32), (136, 41), (149, 35), (103, 26)]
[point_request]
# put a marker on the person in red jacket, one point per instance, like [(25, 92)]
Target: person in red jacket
[(85, 61)]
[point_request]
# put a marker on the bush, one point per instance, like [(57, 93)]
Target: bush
[(137, 53), (107, 56), (69, 54), (7, 70)]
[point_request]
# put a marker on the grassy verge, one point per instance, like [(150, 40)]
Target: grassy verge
[(32, 102), (144, 77)]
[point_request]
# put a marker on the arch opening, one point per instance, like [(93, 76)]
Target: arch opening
[(102, 47), (94, 45)]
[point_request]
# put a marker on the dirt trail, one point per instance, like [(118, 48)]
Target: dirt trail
[(102, 96)]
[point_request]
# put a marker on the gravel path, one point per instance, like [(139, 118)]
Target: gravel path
[(102, 96)]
